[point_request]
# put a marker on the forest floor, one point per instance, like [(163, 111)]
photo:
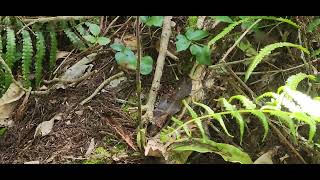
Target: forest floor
[(104, 129)]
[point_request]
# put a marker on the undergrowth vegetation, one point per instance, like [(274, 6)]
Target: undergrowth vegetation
[(245, 48)]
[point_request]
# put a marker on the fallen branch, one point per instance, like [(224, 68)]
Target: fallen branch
[(165, 36), (104, 83), (48, 19)]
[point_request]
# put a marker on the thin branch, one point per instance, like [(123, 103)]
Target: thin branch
[(165, 36), (49, 19), (138, 80), (104, 83)]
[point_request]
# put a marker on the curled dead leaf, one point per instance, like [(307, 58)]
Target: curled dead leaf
[(8, 103), (130, 41)]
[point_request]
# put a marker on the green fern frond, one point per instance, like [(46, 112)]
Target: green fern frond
[(225, 31), (10, 53), (304, 118), (231, 26), (293, 81), (185, 127), (197, 121), (305, 102), (266, 51), (217, 117), (248, 104), (40, 45), (74, 38), (53, 50), (286, 119), (27, 52), (316, 53), (1, 48), (234, 112), (313, 25)]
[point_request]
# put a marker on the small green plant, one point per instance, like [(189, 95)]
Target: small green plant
[(266, 51), (126, 58), (152, 20), (202, 53), (288, 105), (95, 37)]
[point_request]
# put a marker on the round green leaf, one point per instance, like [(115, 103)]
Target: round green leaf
[(94, 29), (90, 38), (144, 19), (155, 21), (103, 41), (195, 35), (226, 19), (182, 43), (117, 46), (146, 65), (203, 54), (126, 59)]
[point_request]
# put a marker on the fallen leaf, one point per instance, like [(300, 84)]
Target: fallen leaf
[(170, 105), (62, 54), (32, 162), (78, 69), (90, 148), (156, 148), (79, 113), (122, 132), (130, 41), (266, 158), (45, 127), (114, 83), (8, 103)]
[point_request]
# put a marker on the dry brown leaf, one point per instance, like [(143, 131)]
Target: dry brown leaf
[(130, 41), (90, 148), (62, 54), (122, 132), (8, 103), (45, 127), (266, 158), (156, 148)]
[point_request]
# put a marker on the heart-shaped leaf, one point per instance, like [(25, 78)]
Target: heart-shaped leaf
[(146, 65), (182, 43), (117, 47), (203, 54), (144, 19), (126, 59), (90, 38), (103, 41), (155, 21), (226, 19), (195, 35), (94, 29)]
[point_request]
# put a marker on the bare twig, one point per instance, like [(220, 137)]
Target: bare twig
[(48, 19), (138, 80), (112, 22), (165, 36), (104, 83)]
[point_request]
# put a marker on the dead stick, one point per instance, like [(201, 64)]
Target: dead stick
[(104, 83), (138, 80), (165, 36)]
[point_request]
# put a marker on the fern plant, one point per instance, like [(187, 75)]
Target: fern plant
[(27, 52), (288, 105), (10, 53), (266, 51), (40, 53)]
